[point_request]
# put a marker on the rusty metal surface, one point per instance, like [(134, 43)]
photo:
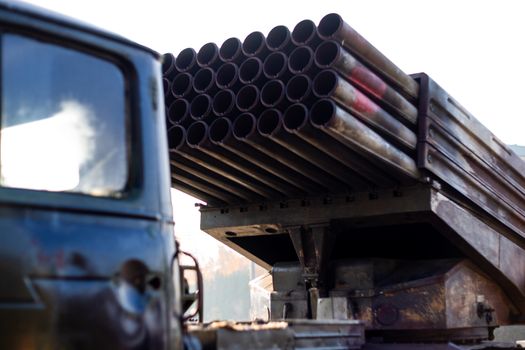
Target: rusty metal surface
[(287, 276), (245, 130), (271, 219), (440, 346), (198, 183), (349, 160), (328, 334), (344, 127), (327, 84), (210, 163), (251, 78), (467, 286), (293, 334), (233, 336), (221, 134), (178, 162), (411, 200), (486, 243), (270, 124), (59, 260), (197, 138), (330, 54), (483, 242), (431, 300), (296, 122), (288, 305), (333, 27), (462, 152), (488, 199)]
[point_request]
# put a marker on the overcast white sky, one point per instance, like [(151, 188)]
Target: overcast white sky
[(473, 49)]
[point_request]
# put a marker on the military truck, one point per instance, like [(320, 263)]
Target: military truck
[(87, 252)]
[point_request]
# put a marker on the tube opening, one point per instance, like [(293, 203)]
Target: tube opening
[(325, 83), (176, 136), (326, 54), (272, 93), (227, 75), (230, 49), (247, 97), (300, 59), (322, 112), (303, 32), (203, 80), (168, 62), (243, 126), (219, 130), (207, 54), (178, 111), (295, 116), (196, 133), (223, 102), (329, 25), (250, 70), (298, 88), (253, 43), (181, 85), (274, 64), (278, 37), (269, 121), (186, 59), (200, 107)]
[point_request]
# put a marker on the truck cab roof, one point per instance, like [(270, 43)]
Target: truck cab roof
[(54, 17)]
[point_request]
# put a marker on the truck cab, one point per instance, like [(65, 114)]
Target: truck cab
[(87, 253)]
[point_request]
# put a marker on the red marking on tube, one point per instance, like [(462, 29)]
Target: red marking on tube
[(363, 104), (368, 81)]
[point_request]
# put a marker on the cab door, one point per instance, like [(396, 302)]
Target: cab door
[(85, 238)]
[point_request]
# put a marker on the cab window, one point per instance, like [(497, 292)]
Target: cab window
[(63, 122)]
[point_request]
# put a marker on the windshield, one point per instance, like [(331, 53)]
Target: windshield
[(63, 119)]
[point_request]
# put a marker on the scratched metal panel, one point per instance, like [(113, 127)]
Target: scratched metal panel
[(464, 154)]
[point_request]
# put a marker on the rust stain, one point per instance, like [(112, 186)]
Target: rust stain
[(436, 304), (412, 315)]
